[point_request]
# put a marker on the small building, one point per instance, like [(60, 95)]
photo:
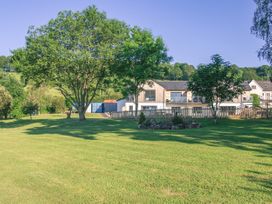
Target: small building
[(106, 106)]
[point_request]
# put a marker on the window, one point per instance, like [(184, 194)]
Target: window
[(244, 98), (150, 95), (149, 108), (130, 108), (130, 98), (197, 109), (196, 99), (176, 96), (175, 109), (267, 96), (253, 87), (231, 110)]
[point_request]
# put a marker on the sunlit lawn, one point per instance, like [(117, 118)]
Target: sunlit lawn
[(53, 160)]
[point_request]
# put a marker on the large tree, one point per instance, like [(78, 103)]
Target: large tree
[(216, 82), (74, 53), (139, 61), (262, 28)]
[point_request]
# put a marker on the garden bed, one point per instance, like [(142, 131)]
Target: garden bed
[(167, 123)]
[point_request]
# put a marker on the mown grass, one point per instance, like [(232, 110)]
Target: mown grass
[(53, 160)]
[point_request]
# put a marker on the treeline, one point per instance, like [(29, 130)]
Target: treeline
[(5, 64), (177, 71), (17, 100), (183, 71)]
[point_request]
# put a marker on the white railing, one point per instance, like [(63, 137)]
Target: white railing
[(204, 112)]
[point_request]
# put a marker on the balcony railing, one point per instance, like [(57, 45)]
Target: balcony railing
[(177, 100), (181, 100)]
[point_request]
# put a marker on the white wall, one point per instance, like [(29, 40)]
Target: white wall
[(121, 105), (127, 104), (237, 105), (89, 109), (258, 89)]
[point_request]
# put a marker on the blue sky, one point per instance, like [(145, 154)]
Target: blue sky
[(193, 30)]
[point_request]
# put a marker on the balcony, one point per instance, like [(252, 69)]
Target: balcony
[(177, 100), (182, 100)]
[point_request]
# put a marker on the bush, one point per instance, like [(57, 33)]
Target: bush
[(5, 102), (255, 100), (16, 90), (177, 120), (141, 118), (57, 105), (31, 106), (17, 107)]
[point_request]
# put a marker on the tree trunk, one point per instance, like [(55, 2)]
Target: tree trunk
[(81, 113), (69, 113), (136, 105), (215, 117), (214, 110), (267, 110)]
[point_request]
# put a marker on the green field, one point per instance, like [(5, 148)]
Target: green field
[(53, 160)]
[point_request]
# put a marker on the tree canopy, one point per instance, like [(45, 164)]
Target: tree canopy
[(178, 71), (262, 27), (74, 53), (216, 82), (3, 62), (139, 61)]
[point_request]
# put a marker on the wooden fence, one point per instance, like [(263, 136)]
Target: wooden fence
[(198, 113)]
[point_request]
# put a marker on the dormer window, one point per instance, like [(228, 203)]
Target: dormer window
[(253, 87)]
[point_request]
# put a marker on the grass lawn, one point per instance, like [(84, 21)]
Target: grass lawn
[(53, 160)]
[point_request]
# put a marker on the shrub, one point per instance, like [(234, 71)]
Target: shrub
[(142, 118), (5, 102), (31, 106), (17, 112), (255, 100), (16, 90), (177, 120), (57, 105)]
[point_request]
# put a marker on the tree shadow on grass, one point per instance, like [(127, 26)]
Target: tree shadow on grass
[(262, 179), (247, 135), (63, 127)]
